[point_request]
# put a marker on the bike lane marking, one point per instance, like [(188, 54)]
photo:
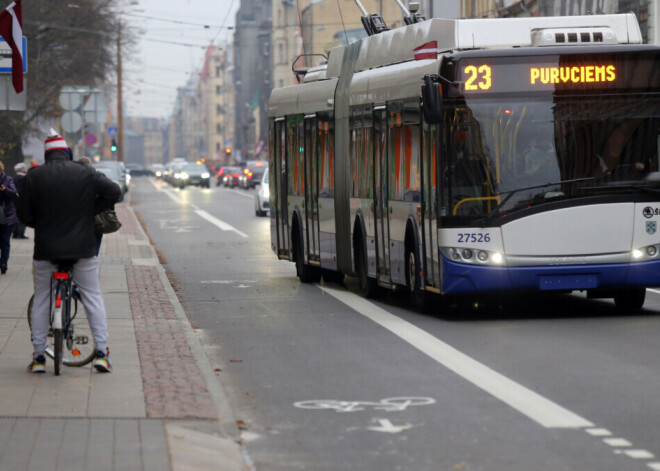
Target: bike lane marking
[(200, 212), (538, 408)]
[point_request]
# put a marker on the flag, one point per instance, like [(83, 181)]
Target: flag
[(11, 29), (426, 51)]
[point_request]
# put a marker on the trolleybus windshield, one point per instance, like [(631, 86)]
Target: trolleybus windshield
[(497, 146)]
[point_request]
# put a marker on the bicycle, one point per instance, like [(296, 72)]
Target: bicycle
[(64, 332)]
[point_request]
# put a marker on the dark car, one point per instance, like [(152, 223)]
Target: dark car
[(222, 172), (252, 173), (231, 176), (194, 174)]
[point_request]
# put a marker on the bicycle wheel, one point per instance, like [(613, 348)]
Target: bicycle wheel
[(57, 350), (79, 348)]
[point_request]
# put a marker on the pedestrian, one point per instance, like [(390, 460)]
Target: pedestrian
[(8, 219), (20, 169), (99, 235), (59, 200)]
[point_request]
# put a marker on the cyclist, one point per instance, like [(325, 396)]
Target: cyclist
[(59, 200)]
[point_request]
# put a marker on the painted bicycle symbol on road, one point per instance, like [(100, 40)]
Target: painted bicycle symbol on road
[(390, 404)]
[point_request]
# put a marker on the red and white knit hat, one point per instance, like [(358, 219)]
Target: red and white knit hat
[(55, 141)]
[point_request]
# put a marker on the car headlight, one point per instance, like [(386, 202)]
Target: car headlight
[(473, 256), (643, 254), (184, 175), (158, 174), (206, 175)]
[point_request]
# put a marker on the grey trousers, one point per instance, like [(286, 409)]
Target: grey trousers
[(86, 276)]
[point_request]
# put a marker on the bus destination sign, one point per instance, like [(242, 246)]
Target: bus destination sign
[(493, 75)]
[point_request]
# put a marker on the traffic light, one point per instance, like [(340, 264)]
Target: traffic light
[(228, 150), (113, 146)]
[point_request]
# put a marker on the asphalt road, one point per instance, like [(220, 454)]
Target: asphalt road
[(321, 379)]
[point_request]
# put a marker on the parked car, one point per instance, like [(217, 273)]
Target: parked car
[(124, 176), (114, 175), (252, 173), (194, 174), (137, 170), (262, 196)]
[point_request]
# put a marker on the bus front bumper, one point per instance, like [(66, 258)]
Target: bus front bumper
[(459, 278)]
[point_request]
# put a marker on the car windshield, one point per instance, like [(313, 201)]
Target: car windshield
[(110, 172), (508, 155), (195, 168)]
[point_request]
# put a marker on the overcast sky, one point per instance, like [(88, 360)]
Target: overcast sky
[(155, 69)]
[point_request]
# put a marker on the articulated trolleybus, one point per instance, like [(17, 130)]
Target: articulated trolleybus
[(475, 156)]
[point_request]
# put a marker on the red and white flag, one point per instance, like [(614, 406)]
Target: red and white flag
[(11, 29), (426, 51)]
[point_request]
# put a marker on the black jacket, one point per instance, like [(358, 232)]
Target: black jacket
[(59, 199)]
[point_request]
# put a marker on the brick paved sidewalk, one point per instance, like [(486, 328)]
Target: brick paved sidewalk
[(161, 408)]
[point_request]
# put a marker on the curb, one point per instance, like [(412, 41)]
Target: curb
[(229, 431)]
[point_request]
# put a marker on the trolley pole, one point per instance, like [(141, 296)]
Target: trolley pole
[(120, 111)]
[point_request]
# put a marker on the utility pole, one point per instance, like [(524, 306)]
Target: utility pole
[(120, 111)]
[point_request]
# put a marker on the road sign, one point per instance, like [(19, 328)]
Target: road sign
[(5, 56), (112, 131), (90, 139), (71, 121)]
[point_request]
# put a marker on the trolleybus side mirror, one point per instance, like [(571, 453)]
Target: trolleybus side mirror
[(432, 99)]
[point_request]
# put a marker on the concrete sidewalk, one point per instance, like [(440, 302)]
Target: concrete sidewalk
[(161, 408)]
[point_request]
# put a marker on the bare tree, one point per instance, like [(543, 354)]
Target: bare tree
[(69, 43)]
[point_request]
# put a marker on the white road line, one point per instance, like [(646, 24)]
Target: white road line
[(639, 454), (599, 432), (533, 405), (171, 195), (217, 222), (213, 220), (239, 193), (654, 466), (617, 442)]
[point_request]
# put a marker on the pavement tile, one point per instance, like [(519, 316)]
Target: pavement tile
[(19, 446), (85, 420), (49, 449)]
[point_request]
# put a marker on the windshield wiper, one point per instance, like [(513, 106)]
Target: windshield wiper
[(509, 194), (622, 186)]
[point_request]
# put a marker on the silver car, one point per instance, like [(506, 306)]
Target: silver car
[(262, 197)]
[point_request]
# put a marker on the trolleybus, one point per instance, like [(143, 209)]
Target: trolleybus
[(475, 156)]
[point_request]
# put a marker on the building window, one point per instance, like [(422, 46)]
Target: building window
[(218, 109), (218, 69), (280, 48), (281, 83), (217, 147), (218, 90), (218, 128)]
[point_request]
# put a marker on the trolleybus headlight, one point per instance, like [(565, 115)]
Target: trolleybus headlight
[(651, 250), (637, 254), (472, 257), (497, 258)]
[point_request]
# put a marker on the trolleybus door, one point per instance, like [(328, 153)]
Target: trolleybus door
[(430, 227), (279, 195), (380, 194), (312, 189)]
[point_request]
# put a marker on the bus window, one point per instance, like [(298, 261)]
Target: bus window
[(404, 154), (325, 143)]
